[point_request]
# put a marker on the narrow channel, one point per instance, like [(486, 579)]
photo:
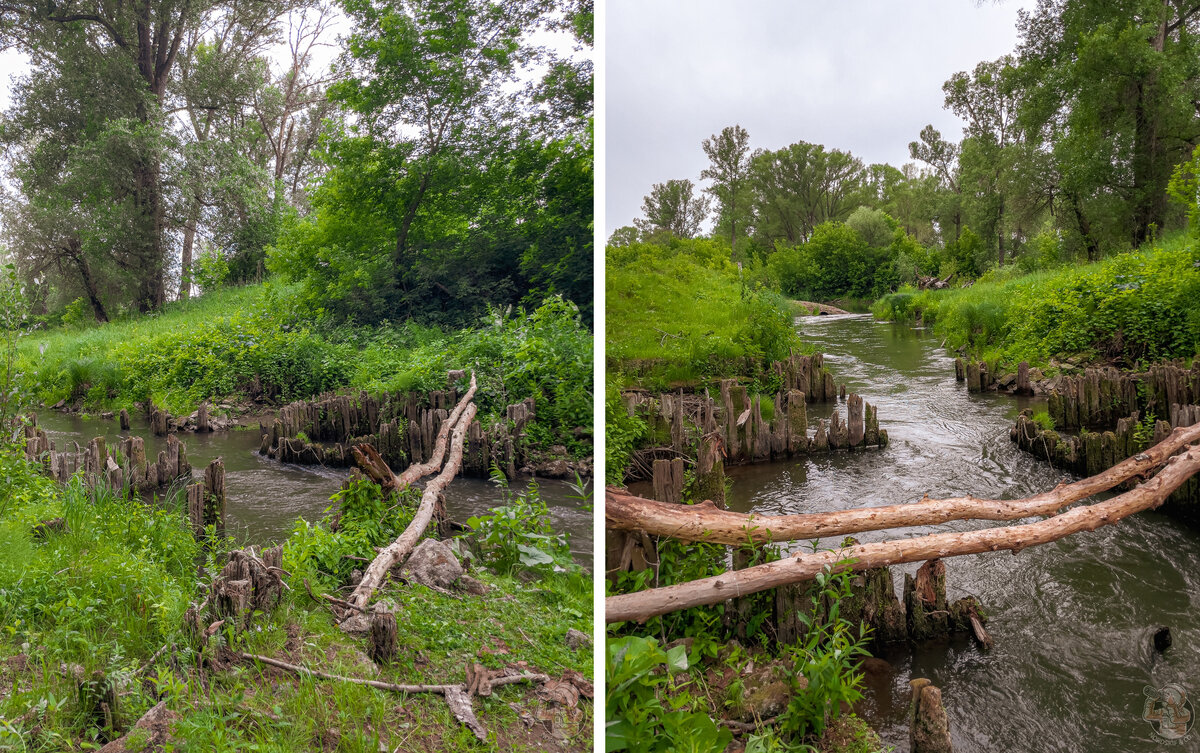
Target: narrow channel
[(266, 497), (1072, 620)]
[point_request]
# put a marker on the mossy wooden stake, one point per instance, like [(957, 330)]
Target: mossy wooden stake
[(214, 495), (381, 638), (124, 420), (710, 471), (668, 480)]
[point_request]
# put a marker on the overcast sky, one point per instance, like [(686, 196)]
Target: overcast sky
[(862, 76)]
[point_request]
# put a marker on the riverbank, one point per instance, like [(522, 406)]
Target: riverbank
[(108, 592), (1129, 310), (254, 347)]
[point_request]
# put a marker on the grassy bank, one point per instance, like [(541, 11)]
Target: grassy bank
[(111, 590), (681, 312), (255, 343), (1128, 310)]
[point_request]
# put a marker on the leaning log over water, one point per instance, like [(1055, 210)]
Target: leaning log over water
[(643, 605), (704, 522)]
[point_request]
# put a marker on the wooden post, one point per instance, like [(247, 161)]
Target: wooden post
[(1023, 387), (668, 480), (974, 380), (960, 370), (854, 419), (195, 507), (797, 415), (124, 420), (214, 495), (202, 418), (710, 471), (925, 601), (929, 730), (381, 642)]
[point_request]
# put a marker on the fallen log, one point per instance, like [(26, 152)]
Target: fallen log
[(398, 550), (706, 522), (419, 470), (653, 602)]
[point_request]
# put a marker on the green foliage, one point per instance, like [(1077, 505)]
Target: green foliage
[(838, 262), (518, 533), (827, 658), (77, 313), (1043, 419), (254, 342), (14, 323), (639, 718), (1130, 308), (210, 270), (362, 519), (623, 433), (682, 310)]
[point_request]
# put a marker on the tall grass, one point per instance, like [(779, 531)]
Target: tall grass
[(686, 307), (1129, 309), (255, 342)]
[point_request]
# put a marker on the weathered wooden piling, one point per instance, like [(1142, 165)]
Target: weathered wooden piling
[(214, 495), (381, 638), (929, 729), (925, 602), (668, 480), (124, 420), (710, 471)]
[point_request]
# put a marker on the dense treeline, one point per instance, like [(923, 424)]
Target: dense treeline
[(442, 164), (1067, 154)]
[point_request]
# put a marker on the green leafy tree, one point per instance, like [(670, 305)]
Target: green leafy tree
[(801, 186), (728, 168), (674, 208)]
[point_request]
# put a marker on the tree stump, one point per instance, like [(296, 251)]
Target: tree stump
[(214, 495), (196, 507), (160, 422), (668, 480), (856, 426), (710, 471), (929, 729), (925, 602), (381, 637), (202, 418), (124, 420)]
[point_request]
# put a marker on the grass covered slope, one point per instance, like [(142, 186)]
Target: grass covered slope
[(1129, 310), (681, 311), (255, 343), (111, 590)]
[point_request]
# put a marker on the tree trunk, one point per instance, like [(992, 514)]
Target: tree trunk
[(185, 261), (705, 522), (643, 605), (85, 273)]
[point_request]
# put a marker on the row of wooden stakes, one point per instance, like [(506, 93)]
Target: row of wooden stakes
[(129, 471), (679, 420), (403, 428), (1092, 452)]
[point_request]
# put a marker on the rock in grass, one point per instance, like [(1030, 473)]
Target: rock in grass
[(433, 564), (577, 639)]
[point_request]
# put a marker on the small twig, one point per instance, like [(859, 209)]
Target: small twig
[(153, 659), (394, 687), (741, 728)]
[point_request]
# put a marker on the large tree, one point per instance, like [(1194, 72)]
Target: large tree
[(800, 186), (1112, 88)]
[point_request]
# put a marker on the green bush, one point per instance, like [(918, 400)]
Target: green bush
[(518, 533), (1129, 309)]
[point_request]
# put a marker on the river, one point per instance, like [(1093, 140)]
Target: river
[(264, 498), (1072, 620)]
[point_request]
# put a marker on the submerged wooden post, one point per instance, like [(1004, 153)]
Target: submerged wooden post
[(797, 416), (124, 420), (854, 420), (929, 729), (202, 418), (214, 495)]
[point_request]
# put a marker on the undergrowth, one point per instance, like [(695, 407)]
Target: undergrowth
[(1129, 309)]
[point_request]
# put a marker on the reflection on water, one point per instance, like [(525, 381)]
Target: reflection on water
[(264, 498), (1072, 620)]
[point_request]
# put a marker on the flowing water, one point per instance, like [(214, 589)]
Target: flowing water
[(1072, 620), (264, 498)]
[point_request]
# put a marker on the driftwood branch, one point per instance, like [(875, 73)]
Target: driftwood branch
[(643, 605), (458, 696), (705, 522), (398, 550)]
